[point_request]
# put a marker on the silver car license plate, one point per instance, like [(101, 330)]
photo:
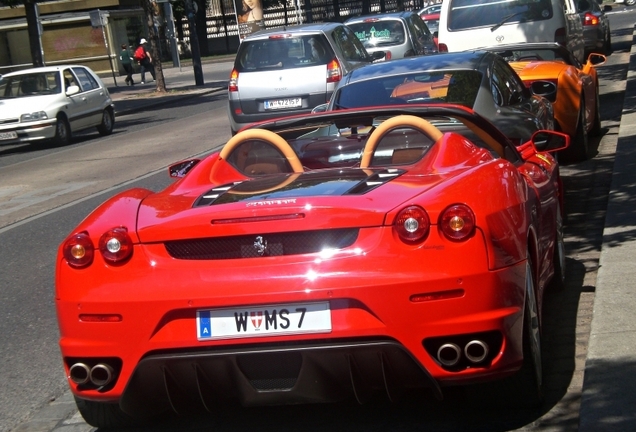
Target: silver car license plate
[(8, 135), (283, 103)]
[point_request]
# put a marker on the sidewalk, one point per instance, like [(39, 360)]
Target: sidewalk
[(609, 387), (180, 84)]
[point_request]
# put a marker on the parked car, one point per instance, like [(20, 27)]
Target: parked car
[(576, 103), (430, 16), (50, 103), (468, 24), (596, 26), (254, 279), (479, 80), (290, 70), (396, 35), (626, 2)]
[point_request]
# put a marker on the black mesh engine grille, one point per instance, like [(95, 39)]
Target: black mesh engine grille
[(253, 246)]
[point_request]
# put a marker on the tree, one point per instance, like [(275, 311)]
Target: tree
[(151, 10)]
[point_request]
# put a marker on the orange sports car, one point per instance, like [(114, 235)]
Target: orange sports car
[(576, 103)]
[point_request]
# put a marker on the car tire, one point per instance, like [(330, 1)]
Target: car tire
[(62, 132), (578, 149), (104, 414), (530, 376), (107, 124), (558, 280), (630, 2), (596, 127)]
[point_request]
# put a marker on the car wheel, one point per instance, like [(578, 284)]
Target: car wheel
[(107, 124), (630, 2), (596, 127), (62, 132), (559, 253), (577, 151), (531, 373), (104, 414)]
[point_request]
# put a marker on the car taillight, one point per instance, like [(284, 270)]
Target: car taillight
[(457, 222), (412, 224), (334, 73), (78, 250), (590, 19), (233, 84), (387, 55), (442, 47), (116, 245)]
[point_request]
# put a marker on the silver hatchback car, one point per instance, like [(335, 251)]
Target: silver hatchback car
[(396, 34), (285, 71)]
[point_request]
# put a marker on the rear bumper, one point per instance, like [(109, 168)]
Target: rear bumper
[(239, 119), (382, 324)]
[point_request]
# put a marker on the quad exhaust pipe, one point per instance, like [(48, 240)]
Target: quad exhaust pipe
[(79, 373), (99, 375), (449, 354), (475, 351)]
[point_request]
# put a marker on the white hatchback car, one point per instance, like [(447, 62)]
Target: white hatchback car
[(50, 103)]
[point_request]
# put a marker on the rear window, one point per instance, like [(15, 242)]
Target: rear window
[(458, 87), (465, 14), (374, 34), (283, 53)]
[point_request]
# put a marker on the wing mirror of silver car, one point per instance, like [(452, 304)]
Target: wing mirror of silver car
[(378, 55), (546, 89), (320, 108), (71, 90)]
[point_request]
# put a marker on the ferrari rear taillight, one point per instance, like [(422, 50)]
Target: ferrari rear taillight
[(590, 19), (116, 245), (412, 224), (233, 84), (334, 72), (457, 222), (78, 250)]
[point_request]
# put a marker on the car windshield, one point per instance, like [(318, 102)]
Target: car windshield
[(459, 87), (282, 53), (464, 14), (32, 84), (374, 34)]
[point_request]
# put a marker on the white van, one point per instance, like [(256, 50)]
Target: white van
[(468, 24)]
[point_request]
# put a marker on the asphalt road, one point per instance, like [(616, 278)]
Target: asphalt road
[(58, 187)]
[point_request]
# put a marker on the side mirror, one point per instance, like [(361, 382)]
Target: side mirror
[(596, 59), (320, 108), (550, 141), (180, 169), (71, 90), (378, 55), (546, 89)]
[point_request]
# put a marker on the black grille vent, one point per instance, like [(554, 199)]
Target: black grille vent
[(252, 246)]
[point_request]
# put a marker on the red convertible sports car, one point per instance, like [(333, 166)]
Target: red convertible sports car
[(317, 258)]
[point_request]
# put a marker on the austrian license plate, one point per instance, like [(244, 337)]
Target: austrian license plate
[(283, 103), (281, 319), (8, 135)]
